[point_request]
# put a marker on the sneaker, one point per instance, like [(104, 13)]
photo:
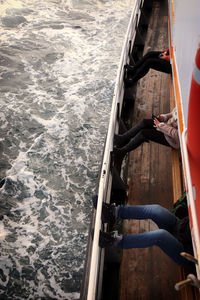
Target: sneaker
[(106, 239), (118, 154), (107, 211), (130, 69), (119, 140), (128, 81)]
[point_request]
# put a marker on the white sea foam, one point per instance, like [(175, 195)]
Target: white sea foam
[(59, 63)]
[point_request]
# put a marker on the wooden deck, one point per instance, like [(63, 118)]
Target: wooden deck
[(149, 273)]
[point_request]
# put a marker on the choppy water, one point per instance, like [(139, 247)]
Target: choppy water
[(58, 62)]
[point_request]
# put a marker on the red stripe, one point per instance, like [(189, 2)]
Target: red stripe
[(193, 140)]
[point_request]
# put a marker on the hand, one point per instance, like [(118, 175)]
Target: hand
[(163, 55), (160, 118), (156, 122)]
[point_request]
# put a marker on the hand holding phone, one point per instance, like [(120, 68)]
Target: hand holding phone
[(153, 116), (156, 122)]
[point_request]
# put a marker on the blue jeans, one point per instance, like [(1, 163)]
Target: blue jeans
[(162, 237)]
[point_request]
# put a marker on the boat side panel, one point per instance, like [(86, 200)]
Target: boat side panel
[(185, 36)]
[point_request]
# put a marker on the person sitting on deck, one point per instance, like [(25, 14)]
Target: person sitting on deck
[(162, 129), (156, 60), (173, 235)]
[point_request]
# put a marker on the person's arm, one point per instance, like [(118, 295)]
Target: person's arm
[(164, 117), (165, 55), (166, 51), (166, 129)]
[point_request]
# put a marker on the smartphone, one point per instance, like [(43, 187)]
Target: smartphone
[(153, 116)]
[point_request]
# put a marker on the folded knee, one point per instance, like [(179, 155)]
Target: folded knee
[(160, 236), (144, 133), (144, 122), (157, 208), (152, 54)]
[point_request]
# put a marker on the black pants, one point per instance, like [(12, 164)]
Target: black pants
[(136, 136), (148, 132), (151, 60)]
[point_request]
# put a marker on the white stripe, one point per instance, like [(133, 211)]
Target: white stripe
[(196, 74), (194, 193)]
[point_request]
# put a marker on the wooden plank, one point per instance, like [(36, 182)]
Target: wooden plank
[(176, 166), (149, 273), (176, 175)]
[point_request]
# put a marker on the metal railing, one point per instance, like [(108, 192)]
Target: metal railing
[(117, 100)]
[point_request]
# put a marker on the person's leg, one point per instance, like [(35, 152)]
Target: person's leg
[(154, 136), (161, 238), (161, 65), (135, 142), (160, 215), (158, 64), (144, 135), (121, 140), (140, 62)]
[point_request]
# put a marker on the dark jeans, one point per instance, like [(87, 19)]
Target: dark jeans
[(149, 133), (151, 60), (162, 237)]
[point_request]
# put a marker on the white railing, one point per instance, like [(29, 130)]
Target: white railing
[(130, 35), (191, 200)]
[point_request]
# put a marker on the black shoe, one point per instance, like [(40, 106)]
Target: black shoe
[(128, 81), (119, 140), (130, 69), (106, 239), (107, 211), (118, 154)]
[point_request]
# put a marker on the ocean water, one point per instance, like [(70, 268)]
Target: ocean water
[(58, 64)]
